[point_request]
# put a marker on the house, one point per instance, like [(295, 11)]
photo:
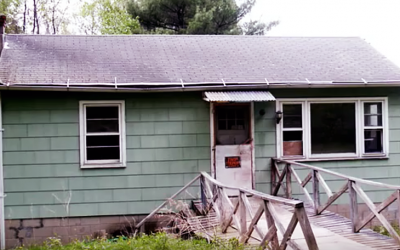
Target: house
[(97, 128)]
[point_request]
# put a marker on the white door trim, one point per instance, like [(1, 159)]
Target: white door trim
[(212, 140)]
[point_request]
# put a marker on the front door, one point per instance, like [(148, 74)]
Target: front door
[(233, 150)]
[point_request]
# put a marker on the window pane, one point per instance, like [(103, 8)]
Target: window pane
[(101, 141), (373, 141), (240, 124), (222, 124), (102, 112), (333, 128), (292, 143), (231, 124), (373, 108), (231, 114), (373, 120), (292, 116), (102, 126), (103, 154), (232, 118)]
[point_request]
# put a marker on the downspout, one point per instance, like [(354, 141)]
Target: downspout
[(2, 213)]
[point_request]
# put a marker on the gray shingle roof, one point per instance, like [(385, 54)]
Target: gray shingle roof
[(155, 59)]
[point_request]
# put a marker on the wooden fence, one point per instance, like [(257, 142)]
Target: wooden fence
[(233, 213), (282, 178)]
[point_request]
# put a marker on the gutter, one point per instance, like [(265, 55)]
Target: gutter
[(180, 87)]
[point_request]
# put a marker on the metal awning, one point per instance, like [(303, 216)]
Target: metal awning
[(238, 96)]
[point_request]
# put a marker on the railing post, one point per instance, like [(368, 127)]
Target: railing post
[(353, 206), (316, 195), (288, 181), (203, 195), (273, 175), (398, 206), (242, 215)]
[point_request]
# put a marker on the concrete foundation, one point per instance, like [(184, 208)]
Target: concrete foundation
[(36, 231)]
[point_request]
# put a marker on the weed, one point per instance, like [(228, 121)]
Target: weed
[(159, 241), (384, 231)]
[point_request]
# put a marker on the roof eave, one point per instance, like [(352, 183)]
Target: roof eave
[(170, 87)]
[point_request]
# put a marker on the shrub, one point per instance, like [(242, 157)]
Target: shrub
[(159, 241)]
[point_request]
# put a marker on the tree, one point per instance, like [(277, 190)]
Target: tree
[(54, 18), (107, 17), (10, 9), (195, 16), (257, 28)]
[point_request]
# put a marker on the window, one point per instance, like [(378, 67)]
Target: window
[(102, 134), (292, 127), (333, 128), (232, 126)]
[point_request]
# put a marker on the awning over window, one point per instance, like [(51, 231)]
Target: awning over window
[(238, 96)]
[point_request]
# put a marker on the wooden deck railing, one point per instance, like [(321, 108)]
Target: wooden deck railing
[(283, 178), (233, 213)]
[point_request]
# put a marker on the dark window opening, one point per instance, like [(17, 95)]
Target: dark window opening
[(373, 141), (102, 133), (333, 128)]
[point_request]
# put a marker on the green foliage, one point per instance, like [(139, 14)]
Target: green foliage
[(10, 9), (257, 28), (107, 17), (159, 241), (384, 231), (195, 16)]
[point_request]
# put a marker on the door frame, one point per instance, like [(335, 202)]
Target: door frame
[(213, 142)]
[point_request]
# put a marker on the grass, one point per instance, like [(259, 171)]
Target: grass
[(384, 231), (159, 241)]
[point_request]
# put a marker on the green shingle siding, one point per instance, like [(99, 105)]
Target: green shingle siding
[(168, 143)]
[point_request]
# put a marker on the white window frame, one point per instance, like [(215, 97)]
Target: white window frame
[(306, 119), (122, 135)]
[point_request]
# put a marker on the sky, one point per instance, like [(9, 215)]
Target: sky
[(378, 22)]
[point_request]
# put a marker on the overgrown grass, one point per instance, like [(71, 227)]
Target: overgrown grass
[(160, 241), (384, 231)]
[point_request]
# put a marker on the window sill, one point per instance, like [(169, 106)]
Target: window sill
[(103, 166), (302, 159)]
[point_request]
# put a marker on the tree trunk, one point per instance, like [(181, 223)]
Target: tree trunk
[(53, 20), (34, 16), (24, 23)]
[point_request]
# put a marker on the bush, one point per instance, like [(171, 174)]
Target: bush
[(160, 241)]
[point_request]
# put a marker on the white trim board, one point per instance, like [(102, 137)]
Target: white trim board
[(122, 134)]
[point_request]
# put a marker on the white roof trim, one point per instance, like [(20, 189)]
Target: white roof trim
[(238, 96)]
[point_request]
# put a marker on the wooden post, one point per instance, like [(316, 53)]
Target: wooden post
[(306, 228), (273, 175), (288, 182), (353, 206), (242, 215), (316, 196), (398, 207), (270, 224), (203, 195)]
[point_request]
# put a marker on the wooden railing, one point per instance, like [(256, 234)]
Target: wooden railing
[(283, 178), (233, 212)]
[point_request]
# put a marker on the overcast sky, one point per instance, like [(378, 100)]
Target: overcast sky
[(377, 21)]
